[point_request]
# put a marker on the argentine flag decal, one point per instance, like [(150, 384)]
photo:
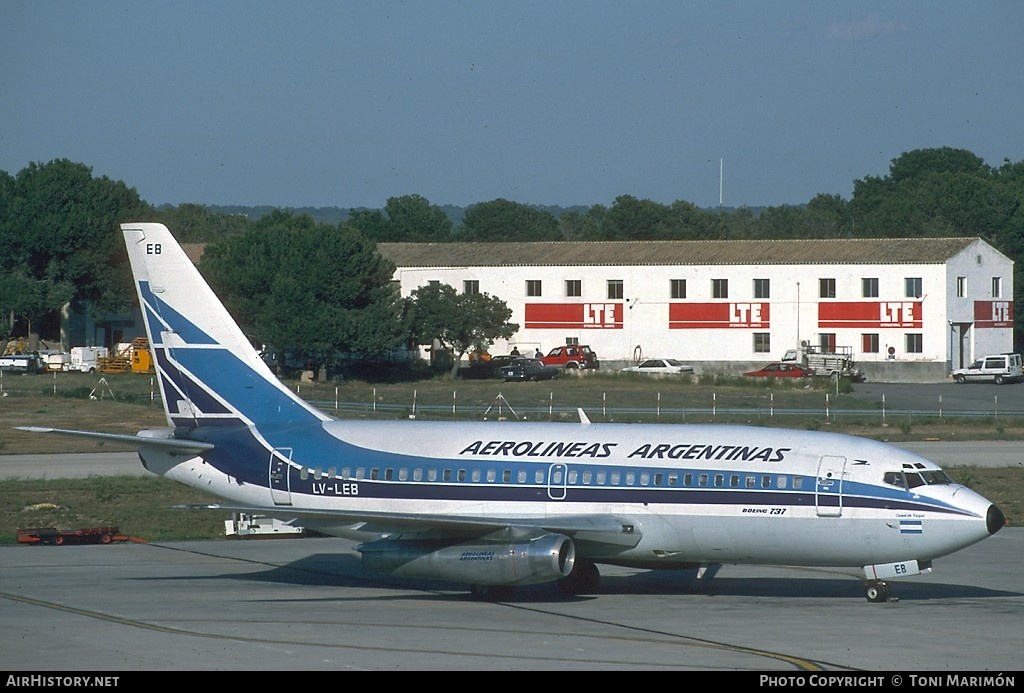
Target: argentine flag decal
[(911, 527)]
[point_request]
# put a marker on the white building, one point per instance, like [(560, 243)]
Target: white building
[(909, 308)]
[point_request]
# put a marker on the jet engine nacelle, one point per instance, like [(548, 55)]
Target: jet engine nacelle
[(543, 559)]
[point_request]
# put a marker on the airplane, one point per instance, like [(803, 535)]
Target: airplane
[(495, 505)]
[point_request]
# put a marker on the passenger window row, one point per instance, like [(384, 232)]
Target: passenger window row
[(574, 477)]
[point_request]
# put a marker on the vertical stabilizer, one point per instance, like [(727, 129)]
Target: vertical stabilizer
[(209, 373)]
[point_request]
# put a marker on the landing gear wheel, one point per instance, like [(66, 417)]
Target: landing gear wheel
[(877, 591), (584, 578), (491, 593)]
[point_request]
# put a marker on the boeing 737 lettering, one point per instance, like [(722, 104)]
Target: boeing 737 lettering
[(498, 504)]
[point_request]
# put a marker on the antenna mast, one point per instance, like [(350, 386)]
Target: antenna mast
[(720, 165)]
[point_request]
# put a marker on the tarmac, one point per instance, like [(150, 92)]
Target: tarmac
[(306, 604)]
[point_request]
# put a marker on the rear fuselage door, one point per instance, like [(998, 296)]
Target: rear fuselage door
[(280, 484), (828, 491)]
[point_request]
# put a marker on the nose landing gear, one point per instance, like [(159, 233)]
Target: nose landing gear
[(877, 591)]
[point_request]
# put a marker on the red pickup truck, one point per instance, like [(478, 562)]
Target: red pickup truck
[(572, 357)]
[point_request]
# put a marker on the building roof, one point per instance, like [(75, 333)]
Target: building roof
[(835, 251)]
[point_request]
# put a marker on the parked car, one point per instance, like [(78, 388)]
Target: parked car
[(660, 367), (781, 370), (572, 357), (995, 368), (478, 370), (528, 369)]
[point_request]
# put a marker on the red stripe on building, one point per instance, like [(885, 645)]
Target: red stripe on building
[(694, 316), (573, 316), (870, 314)]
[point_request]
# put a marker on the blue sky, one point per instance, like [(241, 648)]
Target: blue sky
[(348, 103)]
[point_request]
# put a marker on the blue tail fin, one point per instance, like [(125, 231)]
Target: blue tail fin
[(209, 373)]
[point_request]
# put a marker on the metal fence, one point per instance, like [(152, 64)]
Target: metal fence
[(717, 410)]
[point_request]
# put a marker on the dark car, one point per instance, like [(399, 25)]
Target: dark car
[(781, 370), (528, 369), (478, 370)]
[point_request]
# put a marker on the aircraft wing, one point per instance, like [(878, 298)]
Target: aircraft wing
[(607, 530), (162, 439)]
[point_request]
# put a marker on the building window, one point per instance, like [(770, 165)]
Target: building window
[(961, 287), (433, 282), (720, 288), (762, 342), (826, 288), (471, 286), (615, 288), (533, 287), (573, 287), (915, 344), (997, 287), (762, 288), (869, 287), (869, 343), (913, 285), (827, 341), (678, 288)]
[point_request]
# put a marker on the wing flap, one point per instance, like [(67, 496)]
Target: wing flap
[(607, 530)]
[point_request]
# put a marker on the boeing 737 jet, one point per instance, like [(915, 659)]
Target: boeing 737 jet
[(498, 504)]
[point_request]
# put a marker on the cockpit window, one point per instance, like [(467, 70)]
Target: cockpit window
[(895, 479), (923, 477), (935, 476)]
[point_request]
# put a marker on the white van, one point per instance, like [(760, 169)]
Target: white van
[(996, 368), (85, 359)]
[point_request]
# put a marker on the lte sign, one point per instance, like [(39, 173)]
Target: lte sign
[(573, 316), (698, 316), (870, 314), (992, 314)]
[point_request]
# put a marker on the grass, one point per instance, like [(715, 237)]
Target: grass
[(140, 506)]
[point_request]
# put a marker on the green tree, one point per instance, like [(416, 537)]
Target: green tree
[(413, 218), (320, 289), (685, 221), (828, 217), (931, 192), (458, 322), (582, 226), (60, 240), (630, 219), (502, 220), (371, 223), (410, 218), (22, 296)]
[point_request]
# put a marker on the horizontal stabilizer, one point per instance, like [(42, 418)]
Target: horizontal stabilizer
[(168, 443)]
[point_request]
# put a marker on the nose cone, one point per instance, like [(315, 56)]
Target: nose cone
[(995, 519)]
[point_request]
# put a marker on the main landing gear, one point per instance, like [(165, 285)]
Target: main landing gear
[(583, 579)]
